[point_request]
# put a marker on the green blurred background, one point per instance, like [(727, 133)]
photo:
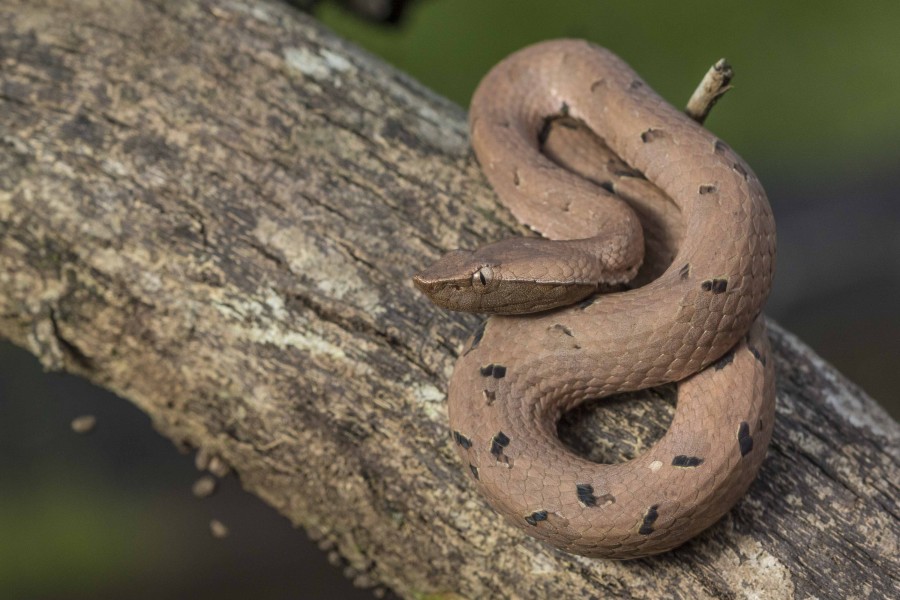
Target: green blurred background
[(815, 112)]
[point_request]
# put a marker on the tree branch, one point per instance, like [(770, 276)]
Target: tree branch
[(213, 208)]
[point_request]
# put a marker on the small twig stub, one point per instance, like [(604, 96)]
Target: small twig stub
[(712, 87)]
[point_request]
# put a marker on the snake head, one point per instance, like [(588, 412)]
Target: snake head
[(459, 281), (520, 275)]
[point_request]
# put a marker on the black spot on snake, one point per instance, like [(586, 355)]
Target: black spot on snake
[(474, 470), (649, 519), (476, 337), (462, 440), (726, 360), (536, 517), (585, 493), (597, 84), (562, 328), (516, 180), (745, 440), (650, 135), (564, 110), (716, 286), (683, 460), (635, 84), (741, 170), (720, 147), (707, 189), (757, 354), (685, 271), (492, 370), (498, 443), (488, 396)]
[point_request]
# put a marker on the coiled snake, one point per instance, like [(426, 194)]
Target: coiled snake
[(697, 323)]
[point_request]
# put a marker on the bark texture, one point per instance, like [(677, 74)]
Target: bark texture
[(213, 208)]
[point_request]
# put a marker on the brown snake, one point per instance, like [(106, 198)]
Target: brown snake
[(696, 323)]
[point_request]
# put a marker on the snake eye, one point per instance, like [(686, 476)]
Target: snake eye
[(482, 276)]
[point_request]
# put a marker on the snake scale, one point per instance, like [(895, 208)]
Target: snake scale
[(697, 323)]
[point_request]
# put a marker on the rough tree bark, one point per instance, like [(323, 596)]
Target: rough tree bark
[(213, 207)]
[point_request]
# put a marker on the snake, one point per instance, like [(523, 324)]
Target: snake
[(566, 326)]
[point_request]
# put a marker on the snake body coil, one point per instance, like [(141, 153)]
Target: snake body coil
[(697, 323)]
